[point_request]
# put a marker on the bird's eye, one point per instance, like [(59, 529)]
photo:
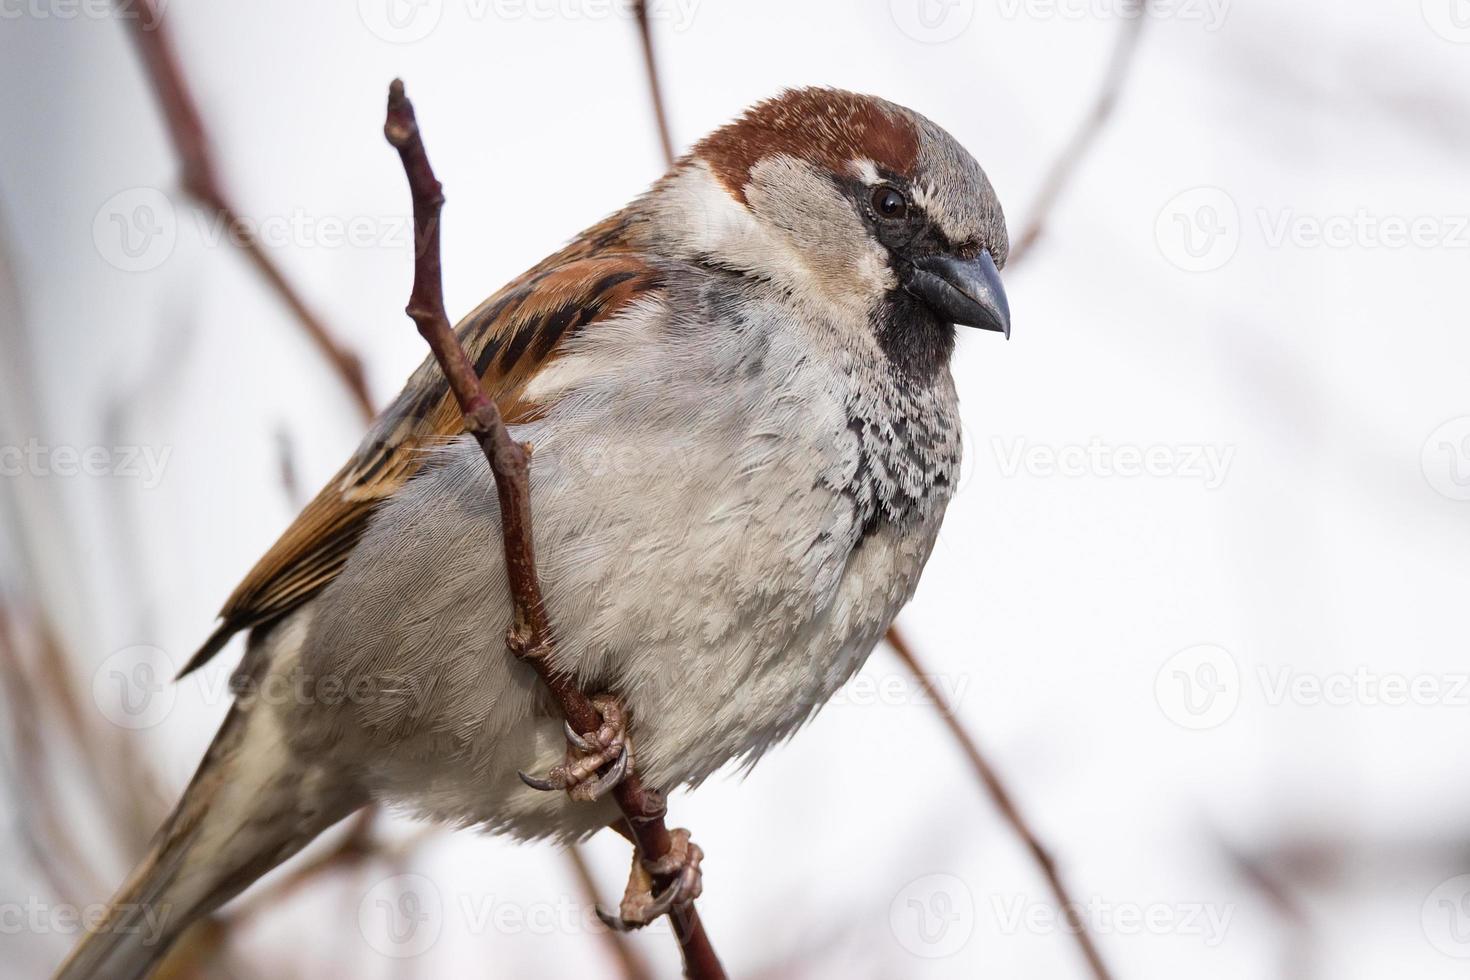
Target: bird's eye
[(889, 203)]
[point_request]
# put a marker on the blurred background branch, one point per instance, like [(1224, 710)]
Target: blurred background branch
[(199, 176), (200, 179), (1074, 153), (1341, 819)]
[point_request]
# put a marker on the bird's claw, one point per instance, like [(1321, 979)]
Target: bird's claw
[(581, 775), (640, 905)]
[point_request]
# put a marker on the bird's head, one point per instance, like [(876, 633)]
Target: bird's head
[(849, 202)]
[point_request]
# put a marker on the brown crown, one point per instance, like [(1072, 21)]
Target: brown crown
[(827, 127)]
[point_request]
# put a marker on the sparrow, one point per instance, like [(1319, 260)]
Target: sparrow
[(745, 436)]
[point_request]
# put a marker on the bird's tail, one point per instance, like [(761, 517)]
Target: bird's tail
[(250, 806)]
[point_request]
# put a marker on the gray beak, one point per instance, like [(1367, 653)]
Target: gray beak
[(965, 292)]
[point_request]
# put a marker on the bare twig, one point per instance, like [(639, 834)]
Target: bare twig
[(126, 786), (356, 847), (286, 467), (42, 823), (655, 89), (203, 942), (1297, 955), (530, 636), (200, 180), (1063, 169), (1070, 159), (1002, 799), (631, 965)]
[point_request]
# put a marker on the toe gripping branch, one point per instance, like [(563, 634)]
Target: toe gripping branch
[(529, 637), (640, 905), (596, 763), (582, 775)]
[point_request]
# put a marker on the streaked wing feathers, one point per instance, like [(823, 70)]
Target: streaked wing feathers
[(509, 337)]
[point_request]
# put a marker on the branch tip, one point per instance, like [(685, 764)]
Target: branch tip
[(530, 638)]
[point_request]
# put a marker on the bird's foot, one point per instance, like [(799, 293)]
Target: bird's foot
[(640, 905), (587, 754)]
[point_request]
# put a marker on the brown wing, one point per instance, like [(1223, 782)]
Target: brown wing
[(509, 337)]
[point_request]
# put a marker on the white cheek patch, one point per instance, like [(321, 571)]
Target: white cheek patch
[(827, 250), (806, 237), (701, 215)]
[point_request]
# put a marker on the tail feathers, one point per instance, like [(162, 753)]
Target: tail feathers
[(250, 806)]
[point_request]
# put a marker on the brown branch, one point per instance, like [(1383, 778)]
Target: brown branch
[(631, 965), (1069, 161), (355, 848), (39, 809), (530, 637), (204, 941), (1063, 169), (200, 181), (655, 89), (1002, 799), (1297, 955), (126, 787)]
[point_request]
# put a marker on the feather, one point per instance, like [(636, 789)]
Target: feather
[(511, 337)]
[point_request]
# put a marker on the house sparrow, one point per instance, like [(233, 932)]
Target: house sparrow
[(746, 434)]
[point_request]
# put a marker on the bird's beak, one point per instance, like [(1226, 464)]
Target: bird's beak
[(967, 292)]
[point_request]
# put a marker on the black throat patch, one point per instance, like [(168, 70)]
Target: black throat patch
[(917, 342)]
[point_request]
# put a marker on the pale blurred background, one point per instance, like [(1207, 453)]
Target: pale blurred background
[(1202, 599)]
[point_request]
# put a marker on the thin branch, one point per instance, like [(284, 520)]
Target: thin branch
[(1003, 802), (1056, 181), (204, 941), (631, 965), (655, 89), (287, 469), (125, 785), (1069, 161), (41, 815), (200, 181), (1063, 169), (1298, 959), (355, 848), (530, 636)]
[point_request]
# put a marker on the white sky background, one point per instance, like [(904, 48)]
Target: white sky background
[(1329, 546)]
